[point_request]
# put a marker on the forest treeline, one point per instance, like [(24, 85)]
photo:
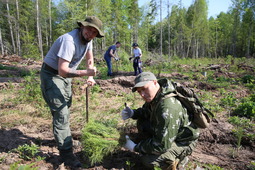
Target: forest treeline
[(29, 27)]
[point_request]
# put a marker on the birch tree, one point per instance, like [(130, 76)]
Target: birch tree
[(38, 28), (50, 24), (248, 27), (9, 18), (236, 15), (169, 30), (161, 28), (197, 15), (1, 43), (18, 28)]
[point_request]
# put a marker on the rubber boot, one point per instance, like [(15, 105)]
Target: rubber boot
[(69, 158)]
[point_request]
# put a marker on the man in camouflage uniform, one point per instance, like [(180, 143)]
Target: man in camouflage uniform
[(171, 135)]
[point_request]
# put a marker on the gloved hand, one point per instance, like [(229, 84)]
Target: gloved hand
[(127, 113), (130, 145), (116, 58), (130, 58)]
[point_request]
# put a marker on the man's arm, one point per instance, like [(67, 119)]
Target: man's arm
[(89, 60), (90, 67), (140, 53), (166, 123), (112, 53), (65, 71)]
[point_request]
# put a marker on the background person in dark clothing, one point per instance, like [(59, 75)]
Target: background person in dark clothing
[(137, 62), (109, 54)]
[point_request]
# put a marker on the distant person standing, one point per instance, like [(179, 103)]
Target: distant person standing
[(137, 54), (109, 54)]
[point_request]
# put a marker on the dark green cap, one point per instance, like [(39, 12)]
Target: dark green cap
[(93, 21), (142, 79)]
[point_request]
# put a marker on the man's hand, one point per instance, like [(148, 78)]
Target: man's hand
[(130, 145), (91, 81), (91, 71), (116, 58), (127, 113), (130, 58)]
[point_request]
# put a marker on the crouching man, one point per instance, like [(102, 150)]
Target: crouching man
[(171, 136)]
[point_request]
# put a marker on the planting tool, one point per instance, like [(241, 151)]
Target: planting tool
[(87, 104), (86, 87), (124, 127), (117, 62), (117, 66)]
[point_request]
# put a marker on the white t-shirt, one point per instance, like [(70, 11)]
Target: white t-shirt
[(68, 47), (137, 52)]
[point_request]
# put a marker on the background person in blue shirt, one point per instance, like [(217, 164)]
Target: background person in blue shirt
[(108, 57)]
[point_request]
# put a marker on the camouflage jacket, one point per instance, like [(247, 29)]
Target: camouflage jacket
[(169, 122)]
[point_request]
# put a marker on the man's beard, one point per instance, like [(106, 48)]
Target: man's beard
[(84, 40)]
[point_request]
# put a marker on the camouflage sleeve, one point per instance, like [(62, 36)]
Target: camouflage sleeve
[(167, 119), (141, 113)]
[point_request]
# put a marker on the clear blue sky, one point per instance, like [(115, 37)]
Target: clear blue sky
[(214, 6)]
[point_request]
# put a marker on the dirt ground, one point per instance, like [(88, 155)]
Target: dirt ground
[(216, 144)]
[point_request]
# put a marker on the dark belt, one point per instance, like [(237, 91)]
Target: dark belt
[(50, 69)]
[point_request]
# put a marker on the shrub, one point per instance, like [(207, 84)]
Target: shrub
[(31, 91), (27, 152), (243, 127), (248, 79), (228, 101), (246, 108)]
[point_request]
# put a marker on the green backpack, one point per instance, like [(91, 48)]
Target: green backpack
[(198, 114)]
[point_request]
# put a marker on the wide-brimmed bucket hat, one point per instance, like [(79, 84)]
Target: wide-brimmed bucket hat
[(93, 21)]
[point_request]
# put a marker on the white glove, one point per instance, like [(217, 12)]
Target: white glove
[(127, 113), (130, 145), (116, 58)]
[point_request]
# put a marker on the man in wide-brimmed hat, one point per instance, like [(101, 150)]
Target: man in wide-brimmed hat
[(58, 68)]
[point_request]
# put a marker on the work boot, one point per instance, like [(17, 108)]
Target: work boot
[(69, 158)]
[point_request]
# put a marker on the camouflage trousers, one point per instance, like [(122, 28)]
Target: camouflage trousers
[(57, 93), (168, 159)]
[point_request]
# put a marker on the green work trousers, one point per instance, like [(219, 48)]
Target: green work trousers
[(57, 93), (166, 160)]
